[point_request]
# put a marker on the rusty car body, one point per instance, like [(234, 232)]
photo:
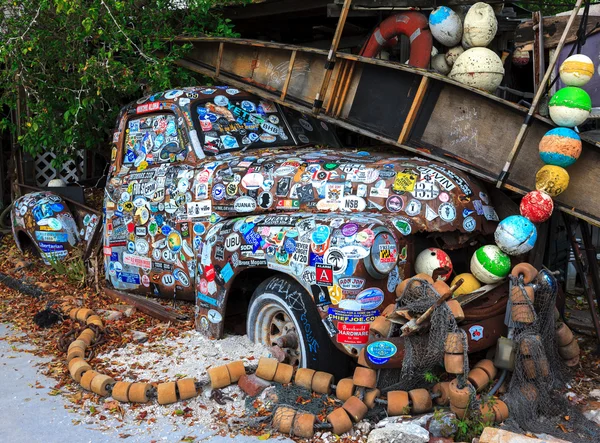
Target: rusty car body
[(217, 196)]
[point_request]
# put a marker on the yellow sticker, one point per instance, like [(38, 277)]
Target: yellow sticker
[(404, 182), (113, 154), (143, 165), (128, 206), (335, 294)]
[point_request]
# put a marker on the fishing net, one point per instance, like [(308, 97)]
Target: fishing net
[(423, 350), (535, 396)]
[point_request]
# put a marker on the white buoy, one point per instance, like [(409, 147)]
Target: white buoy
[(446, 26), (480, 68), (480, 26)]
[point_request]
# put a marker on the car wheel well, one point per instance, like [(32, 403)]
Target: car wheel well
[(240, 293), (25, 243)]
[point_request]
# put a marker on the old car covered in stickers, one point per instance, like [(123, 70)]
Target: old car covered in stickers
[(219, 197)]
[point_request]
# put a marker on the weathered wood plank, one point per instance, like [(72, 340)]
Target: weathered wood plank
[(553, 29)]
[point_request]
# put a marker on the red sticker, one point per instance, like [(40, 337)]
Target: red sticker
[(353, 333), (209, 272), (324, 275)]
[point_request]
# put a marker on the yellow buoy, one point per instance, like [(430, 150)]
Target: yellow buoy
[(470, 284), (553, 180)]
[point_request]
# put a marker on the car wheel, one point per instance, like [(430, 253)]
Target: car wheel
[(282, 313)]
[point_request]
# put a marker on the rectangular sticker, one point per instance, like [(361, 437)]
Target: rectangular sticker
[(199, 209), (353, 333), (59, 237), (137, 261), (404, 182)]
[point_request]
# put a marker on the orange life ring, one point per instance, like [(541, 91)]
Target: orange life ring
[(412, 24)]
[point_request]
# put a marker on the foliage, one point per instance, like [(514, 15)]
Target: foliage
[(79, 61), (550, 7), (73, 267), (473, 423), (430, 377)]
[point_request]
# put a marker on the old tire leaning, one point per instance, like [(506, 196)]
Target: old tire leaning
[(283, 295)]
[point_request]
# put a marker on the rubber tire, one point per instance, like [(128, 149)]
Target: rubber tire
[(344, 389), (370, 396), (284, 373), (569, 351), (460, 398), (100, 383), (186, 388), (120, 391), (355, 408), (219, 377), (454, 363), (397, 403), (478, 378), (166, 393), (340, 421), (321, 383), (138, 392), (267, 367), (317, 350), (304, 377), (421, 401), (488, 367), (236, 369), (528, 271), (443, 389), (454, 343), (77, 367), (564, 335), (283, 419), (87, 378), (304, 425)]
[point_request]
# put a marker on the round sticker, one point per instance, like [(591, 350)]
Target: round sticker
[(168, 280), (221, 100), (444, 197), (321, 234), (413, 207), (174, 241), (214, 316), (248, 106), (145, 280), (337, 259), (380, 352), (141, 246), (469, 224), (349, 229), (394, 203), (447, 212)]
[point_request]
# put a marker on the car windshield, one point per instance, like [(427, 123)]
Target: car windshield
[(228, 122)]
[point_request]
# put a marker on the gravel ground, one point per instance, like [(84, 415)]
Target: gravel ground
[(32, 413)]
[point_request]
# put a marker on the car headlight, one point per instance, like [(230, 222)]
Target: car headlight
[(384, 254)]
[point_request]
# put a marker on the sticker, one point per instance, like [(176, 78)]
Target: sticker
[(353, 203), (447, 212), (199, 209), (337, 259), (394, 203), (476, 332), (324, 274), (353, 333), (174, 241), (370, 298), (484, 197), (351, 283), (349, 229), (469, 224), (321, 235), (221, 100), (426, 190), (244, 204), (181, 277), (355, 252), (168, 280), (430, 214), (380, 352), (352, 316), (403, 226), (413, 207), (265, 200), (490, 214), (404, 182), (444, 197), (233, 242), (59, 237), (214, 316), (301, 254), (393, 279)]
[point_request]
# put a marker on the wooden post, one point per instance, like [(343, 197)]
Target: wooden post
[(219, 58), (288, 77), (536, 99), (414, 109), (539, 60), (330, 64)]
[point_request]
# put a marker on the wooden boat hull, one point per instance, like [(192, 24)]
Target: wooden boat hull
[(411, 108)]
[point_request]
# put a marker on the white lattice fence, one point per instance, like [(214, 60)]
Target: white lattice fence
[(72, 171)]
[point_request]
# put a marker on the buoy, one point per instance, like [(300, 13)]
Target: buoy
[(553, 180), (515, 235), (560, 147), (576, 70), (452, 54), (480, 68), (489, 264), (431, 259), (520, 58), (480, 26), (569, 107), (446, 26), (537, 206), (469, 284), (440, 65)]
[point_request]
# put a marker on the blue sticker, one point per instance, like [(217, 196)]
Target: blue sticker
[(380, 352), (313, 259), (57, 207), (165, 229), (352, 316), (205, 298), (218, 191), (51, 247), (289, 245), (114, 256), (59, 237), (128, 277), (254, 239), (227, 272), (321, 234), (130, 247), (467, 212), (370, 298), (199, 229)]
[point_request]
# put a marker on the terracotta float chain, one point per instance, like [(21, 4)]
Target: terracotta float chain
[(164, 393)]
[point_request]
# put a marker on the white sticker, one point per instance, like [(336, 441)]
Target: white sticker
[(447, 212), (244, 204), (214, 316), (233, 242), (199, 209)]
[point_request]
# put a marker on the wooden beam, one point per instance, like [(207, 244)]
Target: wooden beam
[(150, 307), (264, 9), (414, 110), (412, 3), (288, 77), (219, 58), (553, 30)]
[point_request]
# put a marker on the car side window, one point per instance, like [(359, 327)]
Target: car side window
[(152, 139)]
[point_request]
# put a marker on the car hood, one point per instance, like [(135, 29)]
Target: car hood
[(417, 194)]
